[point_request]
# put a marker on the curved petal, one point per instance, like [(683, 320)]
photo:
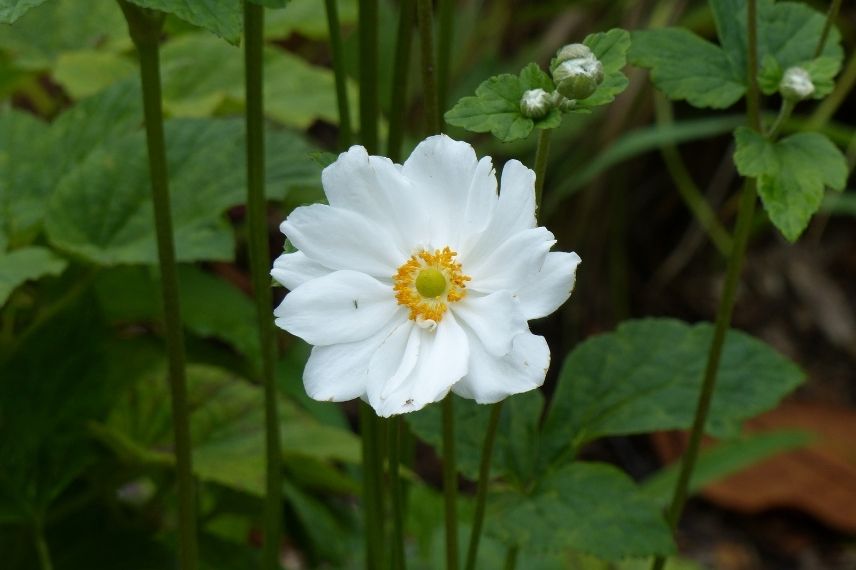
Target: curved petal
[(341, 239), (375, 188), (514, 212), (511, 265), (441, 361), (294, 269), (495, 319), (551, 287), (340, 372), (442, 172), (344, 306), (491, 379)]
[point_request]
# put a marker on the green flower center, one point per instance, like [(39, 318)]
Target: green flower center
[(430, 282)]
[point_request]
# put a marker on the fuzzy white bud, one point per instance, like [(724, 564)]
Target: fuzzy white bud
[(576, 71), (796, 84), (535, 103)]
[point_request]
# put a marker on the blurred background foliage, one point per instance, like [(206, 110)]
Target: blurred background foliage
[(85, 446)]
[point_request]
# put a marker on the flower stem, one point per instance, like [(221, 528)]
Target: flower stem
[(831, 15), (371, 487), (542, 153), (450, 483), (335, 32), (784, 113), (145, 28), (484, 483), (368, 19), (425, 16), (445, 10), (398, 558), (259, 265), (398, 97), (745, 215), (511, 558), (42, 549)]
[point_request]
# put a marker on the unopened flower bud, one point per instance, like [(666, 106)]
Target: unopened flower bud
[(796, 84), (576, 71), (561, 102), (535, 103)]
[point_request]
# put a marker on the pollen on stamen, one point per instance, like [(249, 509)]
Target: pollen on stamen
[(431, 307)]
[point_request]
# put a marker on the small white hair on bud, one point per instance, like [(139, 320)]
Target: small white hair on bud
[(796, 84), (535, 103)]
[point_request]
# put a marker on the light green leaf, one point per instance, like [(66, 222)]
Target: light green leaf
[(223, 17), (307, 18), (684, 66), (792, 174), (646, 376), (724, 459), (11, 10), (586, 507), (822, 71), (84, 73), (611, 49), (495, 108), (24, 264)]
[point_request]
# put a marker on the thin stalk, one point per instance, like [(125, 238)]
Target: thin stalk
[(831, 16), (259, 266), (145, 29), (371, 487), (745, 214), (510, 559), (42, 549), (398, 97), (450, 483), (687, 188), (368, 19), (542, 154), (425, 16), (484, 483), (398, 558), (784, 113), (335, 33), (445, 32)]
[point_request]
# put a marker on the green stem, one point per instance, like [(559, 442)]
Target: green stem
[(371, 487), (745, 214), (784, 113), (450, 483), (368, 15), (145, 28), (42, 549), (446, 30), (687, 188), (259, 266), (511, 559), (398, 558), (425, 16), (335, 32), (542, 154), (398, 97), (484, 483), (831, 15)]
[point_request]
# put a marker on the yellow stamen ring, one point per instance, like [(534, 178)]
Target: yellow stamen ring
[(427, 282)]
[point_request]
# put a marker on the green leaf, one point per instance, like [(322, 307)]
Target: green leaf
[(11, 10), (222, 17), (274, 4), (304, 17), (684, 66), (205, 161), (24, 264), (86, 72), (587, 507), (611, 49), (646, 376), (792, 174), (496, 106), (822, 71), (724, 459)]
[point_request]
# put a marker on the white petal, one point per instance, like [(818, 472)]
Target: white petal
[(514, 212), (341, 239), (442, 361), (511, 265), (441, 171), (495, 319), (551, 287), (340, 372), (491, 379), (295, 269), (481, 200), (375, 188), (344, 306)]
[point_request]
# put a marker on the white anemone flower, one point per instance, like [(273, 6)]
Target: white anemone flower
[(418, 279)]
